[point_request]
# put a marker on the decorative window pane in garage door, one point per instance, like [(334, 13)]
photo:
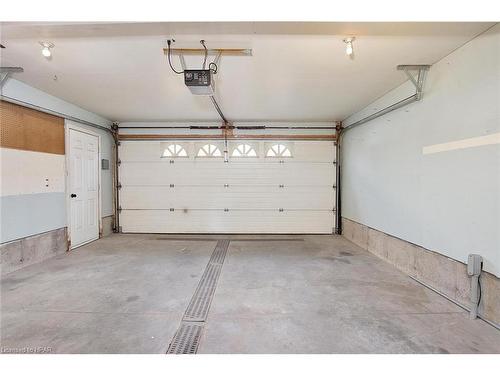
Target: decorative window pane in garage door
[(256, 194), (278, 150), (244, 150), (174, 150), (209, 151)]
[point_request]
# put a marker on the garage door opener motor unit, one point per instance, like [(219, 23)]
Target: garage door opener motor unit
[(199, 81)]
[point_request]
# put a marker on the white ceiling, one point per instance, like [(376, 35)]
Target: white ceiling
[(298, 71)]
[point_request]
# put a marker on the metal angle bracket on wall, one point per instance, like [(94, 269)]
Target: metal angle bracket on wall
[(417, 81)]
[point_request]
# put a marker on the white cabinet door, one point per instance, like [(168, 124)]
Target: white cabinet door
[(83, 187), (185, 190)]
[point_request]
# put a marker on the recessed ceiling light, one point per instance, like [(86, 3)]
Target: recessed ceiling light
[(348, 48), (46, 49)]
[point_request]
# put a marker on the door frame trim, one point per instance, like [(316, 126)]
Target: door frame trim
[(73, 125)]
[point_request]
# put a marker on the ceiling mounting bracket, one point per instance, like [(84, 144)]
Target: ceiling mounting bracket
[(6, 71), (417, 81), (210, 51), (217, 58), (183, 62)]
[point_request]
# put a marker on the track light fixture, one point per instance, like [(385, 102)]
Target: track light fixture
[(348, 48), (46, 49)]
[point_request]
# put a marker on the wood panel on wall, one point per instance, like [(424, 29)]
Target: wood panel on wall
[(27, 129)]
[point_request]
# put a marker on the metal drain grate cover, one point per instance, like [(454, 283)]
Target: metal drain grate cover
[(188, 335), (186, 239), (219, 252), (186, 339), (197, 310), (267, 240)]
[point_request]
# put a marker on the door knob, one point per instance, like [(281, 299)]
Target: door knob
[(73, 195)]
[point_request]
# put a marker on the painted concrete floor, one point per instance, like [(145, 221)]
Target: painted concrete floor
[(128, 293)]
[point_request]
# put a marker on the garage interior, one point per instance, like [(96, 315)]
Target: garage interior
[(251, 187)]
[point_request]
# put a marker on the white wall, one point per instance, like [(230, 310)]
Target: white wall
[(445, 198), (32, 193)]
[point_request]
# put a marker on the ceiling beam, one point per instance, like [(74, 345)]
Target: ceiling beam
[(210, 51)]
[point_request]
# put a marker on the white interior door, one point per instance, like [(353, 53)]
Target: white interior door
[(265, 187), (83, 187)]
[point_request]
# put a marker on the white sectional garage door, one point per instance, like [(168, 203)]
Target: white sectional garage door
[(264, 187)]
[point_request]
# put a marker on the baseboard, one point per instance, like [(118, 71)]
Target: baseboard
[(24, 252), (446, 275)]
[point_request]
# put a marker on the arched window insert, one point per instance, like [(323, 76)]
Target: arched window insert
[(279, 151), (244, 151), (209, 151), (174, 151)]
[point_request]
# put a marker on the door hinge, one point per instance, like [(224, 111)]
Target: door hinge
[(119, 162), (119, 209), (119, 186)]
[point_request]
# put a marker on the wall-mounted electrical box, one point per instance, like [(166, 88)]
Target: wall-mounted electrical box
[(200, 82), (474, 267), (474, 264)]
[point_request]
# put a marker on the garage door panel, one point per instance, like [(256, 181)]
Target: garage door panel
[(219, 173), (193, 173), (323, 151), (232, 197), (211, 221), (144, 150)]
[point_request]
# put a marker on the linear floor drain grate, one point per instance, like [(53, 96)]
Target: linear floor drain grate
[(186, 339), (267, 240), (219, 252), (186, 239), (200, 303), (188, 335)]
